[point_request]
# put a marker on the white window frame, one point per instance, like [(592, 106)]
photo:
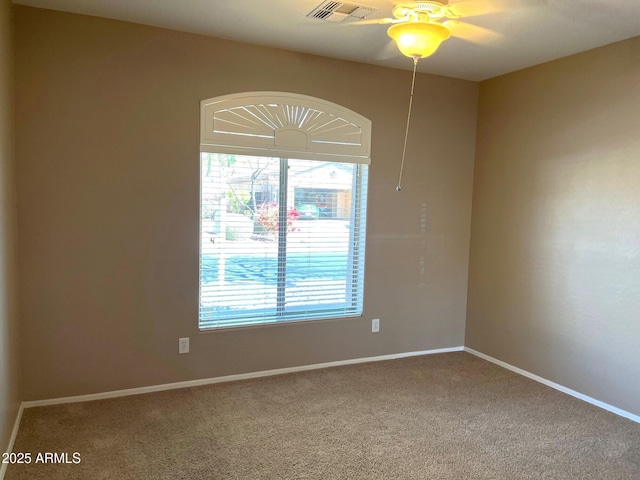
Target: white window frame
[(285, 125)]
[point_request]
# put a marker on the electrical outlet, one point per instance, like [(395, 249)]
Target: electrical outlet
[(183, 345), (375, 325)]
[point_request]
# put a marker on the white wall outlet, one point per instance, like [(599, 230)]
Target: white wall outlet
[(375, 325), (183, 345)]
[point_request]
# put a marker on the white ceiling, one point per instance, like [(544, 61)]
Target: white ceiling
[(531, 31)]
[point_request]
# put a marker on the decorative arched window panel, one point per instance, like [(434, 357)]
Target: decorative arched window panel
[(283, 209), (284, 124)]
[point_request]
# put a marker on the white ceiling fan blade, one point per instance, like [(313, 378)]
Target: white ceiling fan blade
[(476, 8), (473, 33), (375, 21)]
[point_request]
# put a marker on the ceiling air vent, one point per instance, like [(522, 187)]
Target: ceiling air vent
[(338, 12)]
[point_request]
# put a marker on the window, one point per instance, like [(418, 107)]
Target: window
[(282, 237)]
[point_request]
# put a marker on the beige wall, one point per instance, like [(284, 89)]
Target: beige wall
[(10, 394), (554, 283), (107, 136)]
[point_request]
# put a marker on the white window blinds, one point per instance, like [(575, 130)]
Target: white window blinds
[(281, 239)]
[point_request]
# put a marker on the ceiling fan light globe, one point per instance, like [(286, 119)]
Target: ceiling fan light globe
[(418, 39)]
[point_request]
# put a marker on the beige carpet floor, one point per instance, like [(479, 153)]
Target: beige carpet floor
[(447, 416)]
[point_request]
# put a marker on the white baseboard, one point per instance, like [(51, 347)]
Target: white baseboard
[(302, 368), (556, 386), (14, 434), (228, 378)]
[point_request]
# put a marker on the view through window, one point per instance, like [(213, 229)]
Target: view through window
[(280, 239)]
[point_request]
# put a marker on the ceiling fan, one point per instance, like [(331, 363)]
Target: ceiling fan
[(433, 22), (418, 28)]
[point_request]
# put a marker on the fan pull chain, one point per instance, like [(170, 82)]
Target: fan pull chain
[(406, 133)]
